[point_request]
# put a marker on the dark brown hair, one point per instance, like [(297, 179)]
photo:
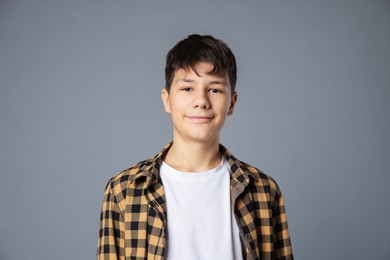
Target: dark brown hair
[(187, 53)]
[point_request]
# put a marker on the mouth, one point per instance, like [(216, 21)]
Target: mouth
[(200, 119)]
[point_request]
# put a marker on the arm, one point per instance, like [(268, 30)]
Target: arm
[(111, 232), (281, 237)]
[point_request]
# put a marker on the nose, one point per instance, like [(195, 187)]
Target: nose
[(201, 100)]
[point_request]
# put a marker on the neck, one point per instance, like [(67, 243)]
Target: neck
[(193, 156)]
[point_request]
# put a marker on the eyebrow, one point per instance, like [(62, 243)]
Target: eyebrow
[(219, 82), (213, 82), (185, 80)]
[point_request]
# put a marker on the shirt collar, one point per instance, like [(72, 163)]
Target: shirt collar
[(149, 169)]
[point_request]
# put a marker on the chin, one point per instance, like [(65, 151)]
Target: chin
[(203, 138), (198, 135)]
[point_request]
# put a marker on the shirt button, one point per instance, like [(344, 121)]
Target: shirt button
[(247, 236)]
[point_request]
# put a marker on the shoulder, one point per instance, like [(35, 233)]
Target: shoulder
[(260, 178), (263, 187), (120, 184), (242, 171), (260, 184), (141, 173)]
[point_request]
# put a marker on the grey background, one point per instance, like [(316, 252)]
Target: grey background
[(80, 89)]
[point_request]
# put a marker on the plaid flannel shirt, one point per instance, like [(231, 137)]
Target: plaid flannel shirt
[(134, 213)]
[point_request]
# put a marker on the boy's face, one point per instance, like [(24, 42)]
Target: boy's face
[(199, 104)]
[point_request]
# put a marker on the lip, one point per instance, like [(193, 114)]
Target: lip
[(200, 119)]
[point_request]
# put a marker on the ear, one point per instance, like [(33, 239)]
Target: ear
[(232, 103), (165, 100)]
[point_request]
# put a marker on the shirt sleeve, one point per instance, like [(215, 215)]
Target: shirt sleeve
[(281, 236), (111, 232)]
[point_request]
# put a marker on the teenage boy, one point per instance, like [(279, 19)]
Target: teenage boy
[(195, 200)]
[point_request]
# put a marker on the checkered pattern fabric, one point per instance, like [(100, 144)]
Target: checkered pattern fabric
[(134, 214)]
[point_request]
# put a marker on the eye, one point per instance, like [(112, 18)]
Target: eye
[(215, 90), (186, 89)]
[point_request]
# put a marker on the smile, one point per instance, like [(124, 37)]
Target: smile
[(200, 119)]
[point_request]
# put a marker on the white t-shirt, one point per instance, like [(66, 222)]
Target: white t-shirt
[(201, 223)]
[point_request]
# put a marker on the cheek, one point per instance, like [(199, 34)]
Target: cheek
[(175, 111), (178, 106), (226, 106)]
